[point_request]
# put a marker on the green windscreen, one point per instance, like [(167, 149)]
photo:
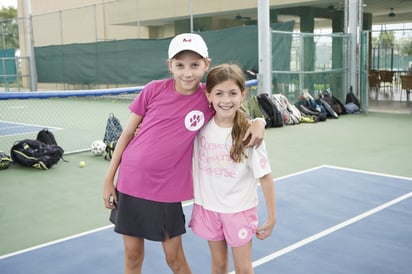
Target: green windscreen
[(138, 61), (7, 66)]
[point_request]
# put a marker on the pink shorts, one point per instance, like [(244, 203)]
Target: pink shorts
[(236, 228)]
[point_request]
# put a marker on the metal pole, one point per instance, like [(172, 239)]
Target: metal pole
[(3, 35), (191, 15), (61, 27), (353, 24), (95, 23), (30, 47), (3, 59), (265, 48), (138, 18)]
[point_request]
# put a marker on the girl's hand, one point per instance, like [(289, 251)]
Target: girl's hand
[(109, 195), (255, 132), (265, 230)]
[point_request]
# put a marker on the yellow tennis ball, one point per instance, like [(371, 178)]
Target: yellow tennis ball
[(82, 164)]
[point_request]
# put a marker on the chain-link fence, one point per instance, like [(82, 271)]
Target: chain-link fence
[(15, 72), (316, 63)]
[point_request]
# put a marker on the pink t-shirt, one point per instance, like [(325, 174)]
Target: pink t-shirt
[(157, 163)]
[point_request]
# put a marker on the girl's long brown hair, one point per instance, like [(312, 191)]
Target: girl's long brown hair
[(232, 72)]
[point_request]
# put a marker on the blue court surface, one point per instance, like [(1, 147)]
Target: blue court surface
[(12, 128), (329, 220)]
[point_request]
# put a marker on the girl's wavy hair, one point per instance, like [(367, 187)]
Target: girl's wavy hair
[(241, 123)]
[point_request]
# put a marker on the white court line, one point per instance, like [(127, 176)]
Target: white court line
[(29, 125), (55, 242), (367, 172), (328, 231), (14, 125)]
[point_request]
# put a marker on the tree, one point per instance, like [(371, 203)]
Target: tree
[(9, 30), (386, 39)]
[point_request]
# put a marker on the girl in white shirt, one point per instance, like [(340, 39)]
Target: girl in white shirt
[(226, 174)]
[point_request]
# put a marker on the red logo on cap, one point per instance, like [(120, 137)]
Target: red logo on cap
[(187, 40)]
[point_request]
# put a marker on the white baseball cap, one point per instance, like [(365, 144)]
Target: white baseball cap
[(188, 41)]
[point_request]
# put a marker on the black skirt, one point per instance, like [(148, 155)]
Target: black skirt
[(147, 219)]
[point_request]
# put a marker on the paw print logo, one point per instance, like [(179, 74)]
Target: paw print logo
[(194, 120)]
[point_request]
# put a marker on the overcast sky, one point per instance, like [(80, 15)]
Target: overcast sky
[(8, 3)]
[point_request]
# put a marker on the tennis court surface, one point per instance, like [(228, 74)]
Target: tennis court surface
[(330, 220)]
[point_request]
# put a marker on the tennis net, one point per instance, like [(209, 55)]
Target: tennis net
[(76, 118)]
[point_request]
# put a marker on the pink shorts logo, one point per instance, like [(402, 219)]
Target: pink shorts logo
[(242, 233)]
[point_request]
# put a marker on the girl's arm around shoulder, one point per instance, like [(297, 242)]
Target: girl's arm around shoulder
[(256, 131), (128, 133), (268, 188)]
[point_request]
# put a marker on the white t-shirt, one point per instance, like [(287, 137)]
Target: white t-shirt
[(220, 184)]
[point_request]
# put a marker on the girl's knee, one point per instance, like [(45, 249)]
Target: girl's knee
[(220, 265), (133, 259), (220, 268), (174, 260), (177, 262)]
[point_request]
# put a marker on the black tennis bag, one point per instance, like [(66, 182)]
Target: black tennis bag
[(34, 153), (5, 160), (46, 137), (271, 113)]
